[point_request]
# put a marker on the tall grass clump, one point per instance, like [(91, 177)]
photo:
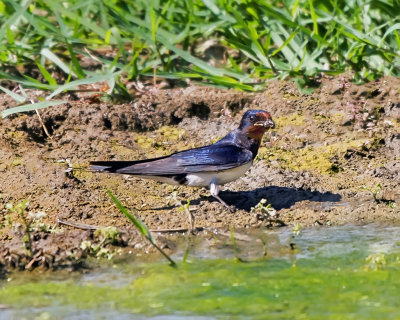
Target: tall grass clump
[(47, 43)]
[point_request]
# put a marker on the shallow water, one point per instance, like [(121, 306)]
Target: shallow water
[(350, 272)]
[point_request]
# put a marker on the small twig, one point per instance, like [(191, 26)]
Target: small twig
[(84, 226), (177, 230), (34, 259), (77, 225), (37, 111), (238, 236), (42, 123)]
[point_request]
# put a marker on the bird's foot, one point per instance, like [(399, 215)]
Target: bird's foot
[(230, 208), (214, 190)]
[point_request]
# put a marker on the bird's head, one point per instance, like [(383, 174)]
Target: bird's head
[(255, 122)]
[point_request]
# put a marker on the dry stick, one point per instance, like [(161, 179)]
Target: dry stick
[(34, 259), (37, 112), (41, 122), (84, 226), (154, 76), (43, 125), (77, 225), (176, 230)]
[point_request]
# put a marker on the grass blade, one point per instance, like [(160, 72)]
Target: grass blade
[(140, 226), (15, 96), (390, 30), (31, 107), (46, 74), (234, 245), (57, 61), (74, 84)]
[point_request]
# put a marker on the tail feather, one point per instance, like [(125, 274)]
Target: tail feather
[(114, 166), (110, 166)]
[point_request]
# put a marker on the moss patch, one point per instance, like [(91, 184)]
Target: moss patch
[(17, 162), (290, 120), (80, 171), (318, 158), (144, 142), (171, 133), (336, 118)]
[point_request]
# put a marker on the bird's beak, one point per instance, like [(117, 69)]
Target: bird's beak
[(269, 123)]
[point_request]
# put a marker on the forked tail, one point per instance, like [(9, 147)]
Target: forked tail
[(110, 166)]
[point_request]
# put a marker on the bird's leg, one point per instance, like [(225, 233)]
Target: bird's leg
[(214, 190)]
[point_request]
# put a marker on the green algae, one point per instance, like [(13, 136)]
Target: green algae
[(336, 273), (269, 289), (318, 158)]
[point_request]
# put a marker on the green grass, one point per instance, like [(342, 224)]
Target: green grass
[(43, 43)]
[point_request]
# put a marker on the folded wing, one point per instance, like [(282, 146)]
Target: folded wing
[(210, 158)]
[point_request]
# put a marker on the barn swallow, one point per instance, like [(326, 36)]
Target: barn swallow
[(208, 166)]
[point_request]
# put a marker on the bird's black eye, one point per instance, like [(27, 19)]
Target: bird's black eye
[(252, 118)]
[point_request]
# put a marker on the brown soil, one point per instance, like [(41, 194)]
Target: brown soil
[(312, 168)]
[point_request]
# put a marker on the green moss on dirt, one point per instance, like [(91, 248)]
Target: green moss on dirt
[(17, 162), (171, 133), (80, 171), (290, 120), (144, 142), (311, 158)]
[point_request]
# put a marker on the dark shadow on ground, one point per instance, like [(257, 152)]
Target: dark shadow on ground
[(278, 197)]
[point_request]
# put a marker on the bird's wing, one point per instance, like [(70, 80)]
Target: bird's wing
[(210, 158)]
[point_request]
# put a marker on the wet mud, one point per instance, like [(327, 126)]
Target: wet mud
[(333, 159)]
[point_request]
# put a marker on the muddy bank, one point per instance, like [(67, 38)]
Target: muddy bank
[(333, 158)]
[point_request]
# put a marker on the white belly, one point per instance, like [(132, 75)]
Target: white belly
[(203, 179)]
